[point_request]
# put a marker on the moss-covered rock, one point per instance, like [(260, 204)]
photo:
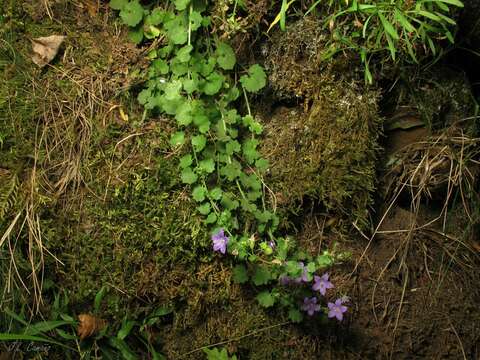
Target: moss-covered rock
[(299, 61), (441, 96), (326, 154)]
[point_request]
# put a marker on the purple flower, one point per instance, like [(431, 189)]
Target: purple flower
[(220, 241), (272, 245), (310, 305), (304, 276), (336, 309), (321, 283), (285, 280)]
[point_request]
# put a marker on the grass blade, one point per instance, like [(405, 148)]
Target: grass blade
[(20, 337), (44, 326), (387, 25)]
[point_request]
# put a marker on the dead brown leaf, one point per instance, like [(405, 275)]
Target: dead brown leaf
[(89, 325), (92, 7), (46, 48)]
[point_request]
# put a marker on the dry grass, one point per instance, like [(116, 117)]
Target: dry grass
[(445, 162), (68, 103), (442, 167), (61, 146)]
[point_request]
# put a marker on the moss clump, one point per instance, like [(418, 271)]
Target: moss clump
[(145, 225), (441, 96), (216, 310), (326, 154), (299, 61)]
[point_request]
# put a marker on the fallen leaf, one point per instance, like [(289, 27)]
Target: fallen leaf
[(92, 7), (46, 48), (89, 325)]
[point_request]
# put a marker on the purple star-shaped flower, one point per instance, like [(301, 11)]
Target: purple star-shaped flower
[(310, 305), (304, 276), (336, 309), (321, 283), (220, 241)]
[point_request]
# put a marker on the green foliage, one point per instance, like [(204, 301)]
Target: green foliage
[(266, 299), (402, 28), (193, 80), (132, 13), (240, 274), (295, 315), (216, 354), (255, 80), (225, 56), (111, 341), (261, 276)]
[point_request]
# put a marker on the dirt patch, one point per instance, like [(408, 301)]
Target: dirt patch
[(417, 294)]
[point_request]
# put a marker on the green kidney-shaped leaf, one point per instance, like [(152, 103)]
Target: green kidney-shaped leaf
[(198, 193), (213, 83), (156, 17), (204, 209), (225, 56), (240, 274), (181, 4), (231, 171), (255, 80), (186, 161), (188, 176), (216, 193), (250, 150), (177, 31), (183, 54), (184, 114), (132, 13), (261, 276), (229, 202), (211, 218), (232, 146), (195, 20), (262, 164), (135, 35), (207, 165), (177, 138), (199, 142), (295, 315), (265, 299)]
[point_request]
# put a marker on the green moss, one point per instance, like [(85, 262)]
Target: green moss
[(326, 154), (147, 224), (298, 61), (325, 151)]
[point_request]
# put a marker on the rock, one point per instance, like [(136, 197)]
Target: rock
[(328, 153)]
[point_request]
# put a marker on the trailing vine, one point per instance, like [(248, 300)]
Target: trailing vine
[(194, 78)]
